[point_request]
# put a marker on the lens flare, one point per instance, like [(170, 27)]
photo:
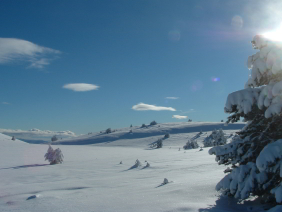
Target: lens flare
[(174, 35), (215, 79), (237, 22), (197, 85)]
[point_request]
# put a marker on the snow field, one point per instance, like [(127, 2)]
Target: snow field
[(91, 178)]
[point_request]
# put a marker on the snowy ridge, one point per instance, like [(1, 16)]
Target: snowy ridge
[(6, 140), (149, 131), (36, 134)]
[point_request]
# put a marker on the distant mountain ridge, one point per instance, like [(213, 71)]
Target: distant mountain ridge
[(148, 131)]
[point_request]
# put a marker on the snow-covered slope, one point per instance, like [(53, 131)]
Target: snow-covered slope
[(149, 131), (91, 177)]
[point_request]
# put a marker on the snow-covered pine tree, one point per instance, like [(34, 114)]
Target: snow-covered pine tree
[(57, 156), (191, 144), (54, 138), (153, 123), (49, 155), (255, 155), (54, 156), (220, 138), (208, 141), (166, 136), (159, 143), (216, 138)]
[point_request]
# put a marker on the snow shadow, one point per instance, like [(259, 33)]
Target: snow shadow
[(135, 166), (26, 166), (162, 184), (229, 204)]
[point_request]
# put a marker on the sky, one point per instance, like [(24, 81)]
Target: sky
[(85, 66)]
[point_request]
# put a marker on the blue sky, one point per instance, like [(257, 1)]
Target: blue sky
[(131, 52)]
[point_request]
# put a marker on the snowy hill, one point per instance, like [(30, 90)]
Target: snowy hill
[(121, 135)]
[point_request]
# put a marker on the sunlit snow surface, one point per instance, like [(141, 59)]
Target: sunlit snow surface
[(92, 178)]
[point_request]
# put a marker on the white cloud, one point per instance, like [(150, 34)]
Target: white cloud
[(36, 134), (172, 97), (5, 103), (17, 50), (142, 106), (81, 87), (179, 117)]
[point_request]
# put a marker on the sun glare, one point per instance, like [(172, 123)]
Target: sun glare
[(275, 35)]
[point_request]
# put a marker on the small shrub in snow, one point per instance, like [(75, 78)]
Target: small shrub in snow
[(54, 138), (147, 165), (191, 144), (143, 125), (54, 156), (165, 181), (166, 135), (109, 130), (120, 162), (153, 123), (131, 125), (137, 164), (189, 120), (13, 138), (130, 131)]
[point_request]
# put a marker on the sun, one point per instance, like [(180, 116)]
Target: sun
[(275, 35)]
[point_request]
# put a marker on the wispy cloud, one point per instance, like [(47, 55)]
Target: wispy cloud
[(13, 50), (172, 97), (6, 103), (142, 106), (179, 117), (36, 134), (81, 87)]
